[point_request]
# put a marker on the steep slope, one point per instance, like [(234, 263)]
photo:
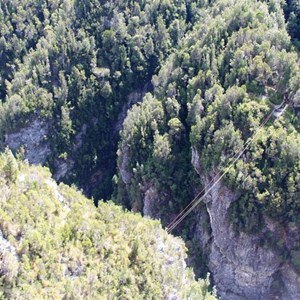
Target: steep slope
[(209, 98), (72, 64), (69, 70), (248, 266), (54, 244)]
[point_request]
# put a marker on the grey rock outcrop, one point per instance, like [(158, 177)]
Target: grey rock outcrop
[(132, 98), (150, 199), (163, 244), (64, 167), (196, 160), (153, 201), (241, 267), (34, 139), (126, 174)]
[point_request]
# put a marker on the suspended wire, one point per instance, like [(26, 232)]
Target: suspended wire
[(194, 203), (210, 182), (216, 179), (213, 179), (196, 200)]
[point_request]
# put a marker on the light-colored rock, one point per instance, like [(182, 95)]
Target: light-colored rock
[(164, 244), (33, 138), (151, 199), (242, 268), (132, 98), (196, 160), (62, 168), (291, 282), (55, 190), (5, 245), (9, 260), (126, 175)]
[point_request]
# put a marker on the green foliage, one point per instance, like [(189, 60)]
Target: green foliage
[(74, 62), (9, 167), (146, 156), (55, 244), (228, 73), (216, 69)]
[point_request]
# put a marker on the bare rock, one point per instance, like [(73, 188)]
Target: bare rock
[(151, 199), (196, 160), (291, 282), (33, 138), (132, 98), (62, 168), (164, 244), (9, 260), (242, 268), (126, 175)]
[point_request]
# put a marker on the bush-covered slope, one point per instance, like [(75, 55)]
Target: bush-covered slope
[(208, 100), (54, 244)]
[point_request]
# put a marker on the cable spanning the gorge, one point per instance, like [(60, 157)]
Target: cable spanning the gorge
[(218, 177)]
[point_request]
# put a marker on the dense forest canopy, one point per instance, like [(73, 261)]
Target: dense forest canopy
[(209, 98), (187, 82), (74, 63), (213, 93)]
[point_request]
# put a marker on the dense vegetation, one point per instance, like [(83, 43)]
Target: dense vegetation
[(210, 96), (55, 244), (213, 70), (74, 62), (292, 15)]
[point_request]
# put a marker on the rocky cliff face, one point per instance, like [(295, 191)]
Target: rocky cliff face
[(241, 267), (133, 98), (34, 140)]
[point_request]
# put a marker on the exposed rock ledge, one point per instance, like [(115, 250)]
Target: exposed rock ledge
[(133, 98), (241, 267), (33, 138)]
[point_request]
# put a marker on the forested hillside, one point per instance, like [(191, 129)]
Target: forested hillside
[(210, 96), (55, 244), (209, 99), (147, 102), (73, 63)]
